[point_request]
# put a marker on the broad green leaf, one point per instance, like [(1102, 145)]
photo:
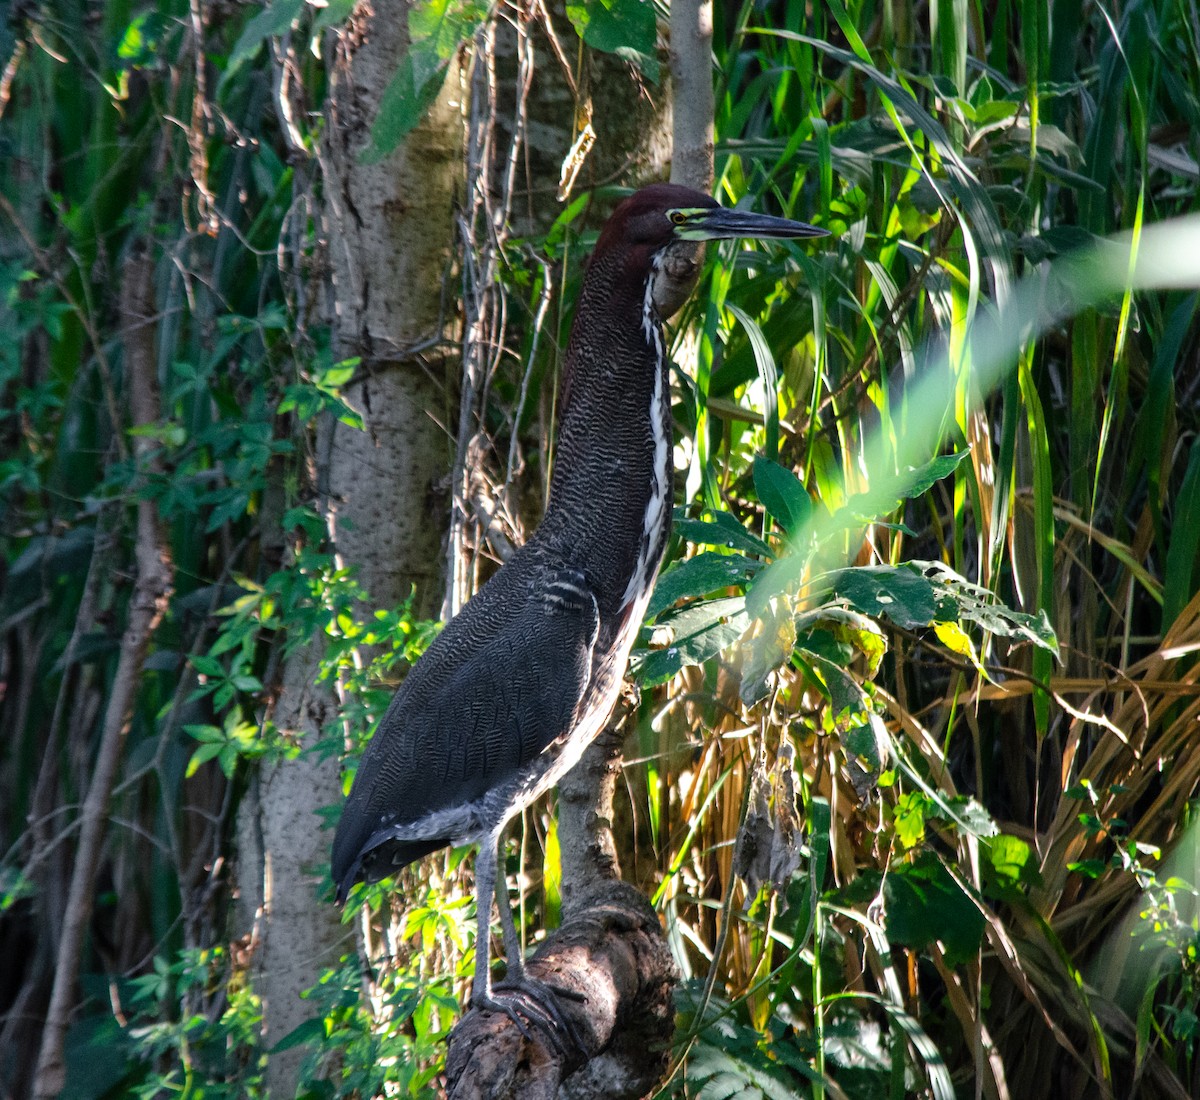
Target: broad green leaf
[(920, 479), (721, 529), (959, 599), (899, 594), (623, 27), (1011, 860), (924, 903), (845, 693), (908, 818), (436, 30), (699, 576), (698, 632), (782, 494), (310, 1031)]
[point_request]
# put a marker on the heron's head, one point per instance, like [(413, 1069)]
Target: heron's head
[(661, 231)]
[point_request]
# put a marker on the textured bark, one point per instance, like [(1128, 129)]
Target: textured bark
[(614, 963), (147, 604), (389, 228)]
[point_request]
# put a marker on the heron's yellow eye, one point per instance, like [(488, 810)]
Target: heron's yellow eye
[(678, 217)]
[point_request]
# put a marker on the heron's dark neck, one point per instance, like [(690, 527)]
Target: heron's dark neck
[(610, 495)]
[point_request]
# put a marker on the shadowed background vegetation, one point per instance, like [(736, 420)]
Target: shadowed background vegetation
[(920, 829)]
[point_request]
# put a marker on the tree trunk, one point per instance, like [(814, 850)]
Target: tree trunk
[(389, 228)]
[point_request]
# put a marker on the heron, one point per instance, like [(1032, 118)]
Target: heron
[(508, 696)]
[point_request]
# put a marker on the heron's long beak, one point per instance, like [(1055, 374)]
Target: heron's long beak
[(722, 224)]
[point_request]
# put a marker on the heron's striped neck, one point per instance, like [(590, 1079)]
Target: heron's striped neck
[(657, 518)]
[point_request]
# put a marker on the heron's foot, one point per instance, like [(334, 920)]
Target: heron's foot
[(526, 1001)]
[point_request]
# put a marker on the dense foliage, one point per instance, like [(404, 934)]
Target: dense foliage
[(914, 776)]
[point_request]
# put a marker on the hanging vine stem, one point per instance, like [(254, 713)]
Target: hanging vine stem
[(483, 231)]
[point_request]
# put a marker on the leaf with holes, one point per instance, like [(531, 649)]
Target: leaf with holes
[(697, 633)]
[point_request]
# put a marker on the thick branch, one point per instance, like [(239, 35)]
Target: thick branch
[(146, 606), (613, 963)]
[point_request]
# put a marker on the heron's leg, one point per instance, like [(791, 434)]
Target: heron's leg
[(485, 887), (524, 1000), (512, 942)]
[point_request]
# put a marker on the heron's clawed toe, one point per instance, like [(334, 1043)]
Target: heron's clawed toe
[(526, 1001)]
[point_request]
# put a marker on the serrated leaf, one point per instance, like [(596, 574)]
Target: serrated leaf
[(908, 819)]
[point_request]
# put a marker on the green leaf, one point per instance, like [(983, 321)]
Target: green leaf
[(958, 598), (925, 903), (623, 27), (908, 818), (768, 373), (721, 529), (202, 755), (207, 666), (311, 1031), (272, 21), (868, 743), (698, 632), (845, 693), (920, 479), (139, 44), (782, 494), (404, 103), (699, 576), (436, 30), (899, 594), (1011, 860)]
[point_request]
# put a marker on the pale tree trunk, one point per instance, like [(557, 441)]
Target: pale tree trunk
[(692, 78), (389, 230)]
